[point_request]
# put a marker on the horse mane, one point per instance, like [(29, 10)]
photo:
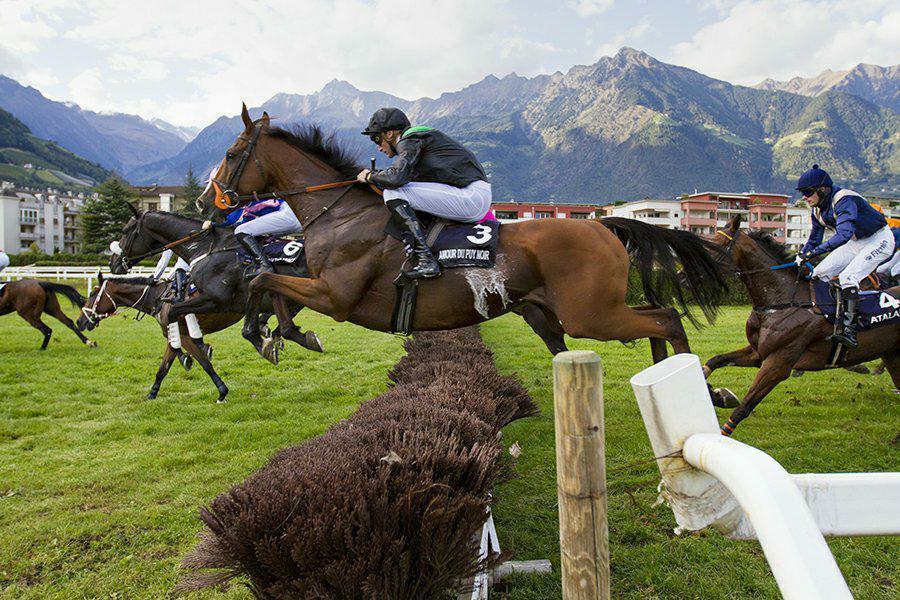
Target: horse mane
[(771, 246), (324, 146)]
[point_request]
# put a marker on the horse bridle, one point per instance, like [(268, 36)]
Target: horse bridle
[(91, 313), (229, 193)]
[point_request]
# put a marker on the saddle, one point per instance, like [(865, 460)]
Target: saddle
[(876, 307), (279, 251)]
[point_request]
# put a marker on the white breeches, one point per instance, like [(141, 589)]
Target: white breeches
[(280, 222), (179, 264), (468, 204), (891, 267), (4, 260), (856, 259)]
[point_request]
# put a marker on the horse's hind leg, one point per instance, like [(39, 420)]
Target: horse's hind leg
[(168, 358), (34, 319), (53, 309), (188, 344), (289, 331), (544, 323), (624, 323)]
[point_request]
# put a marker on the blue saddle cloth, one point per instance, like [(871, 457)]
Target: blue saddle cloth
[(279, 251), (467, 244), (876, 307)]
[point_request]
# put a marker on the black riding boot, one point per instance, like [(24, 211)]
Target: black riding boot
[(180, 284), (261, 263), (425, 266), (845, 330)]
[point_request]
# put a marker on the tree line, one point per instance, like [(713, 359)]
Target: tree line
[(103, 217)]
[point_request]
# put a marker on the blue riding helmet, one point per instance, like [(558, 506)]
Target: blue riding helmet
[(814, 178)]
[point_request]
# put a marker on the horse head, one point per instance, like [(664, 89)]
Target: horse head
[(234, 176), (98, 305)]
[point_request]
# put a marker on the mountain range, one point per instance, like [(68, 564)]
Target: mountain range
[(626, 127), (30, 160)]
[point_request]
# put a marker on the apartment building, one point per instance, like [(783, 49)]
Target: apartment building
[(524, 211), (48, 217)]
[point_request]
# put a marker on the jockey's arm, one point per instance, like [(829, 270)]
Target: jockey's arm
[(162, 263), (845, 216), (400, 173), (815, 237)]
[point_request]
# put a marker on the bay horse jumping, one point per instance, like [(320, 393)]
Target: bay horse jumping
[(30, 298), (575, 270), (783, 331), (145, 296), (215, 270)]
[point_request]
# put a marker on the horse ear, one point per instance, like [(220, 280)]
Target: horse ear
[(265, 119), (735, 223), (245, 117), (133, 209), (100, 277)]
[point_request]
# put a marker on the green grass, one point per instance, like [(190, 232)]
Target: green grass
[(99, 488)]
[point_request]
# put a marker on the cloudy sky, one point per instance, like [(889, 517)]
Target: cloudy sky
[(189, 61)]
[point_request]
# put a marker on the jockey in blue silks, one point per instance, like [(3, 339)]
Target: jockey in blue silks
[(260, 218), (862, 240)]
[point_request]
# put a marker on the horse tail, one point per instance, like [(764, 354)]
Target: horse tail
[(66, 290), (670, 261)]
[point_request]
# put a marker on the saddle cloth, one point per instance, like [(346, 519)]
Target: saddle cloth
[(458, 244), (876, 307), (279, 251), (467, 244)]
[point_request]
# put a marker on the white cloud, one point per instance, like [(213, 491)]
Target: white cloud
[(628, 37), (589, 8), (226, 54), (87, 90), (781, 39)]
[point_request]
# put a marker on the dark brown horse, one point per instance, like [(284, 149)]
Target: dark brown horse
[(30, 298), (786, 337), (145, 295), (576, 271)]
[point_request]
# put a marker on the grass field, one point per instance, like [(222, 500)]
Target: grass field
[(99, 488)]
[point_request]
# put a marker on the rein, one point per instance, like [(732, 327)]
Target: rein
[(130, 261), (732, 240)]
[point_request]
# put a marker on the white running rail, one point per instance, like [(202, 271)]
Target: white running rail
[(88, 274), (711, 480)]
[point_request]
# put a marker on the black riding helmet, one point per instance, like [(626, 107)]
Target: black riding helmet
[(386, 119)]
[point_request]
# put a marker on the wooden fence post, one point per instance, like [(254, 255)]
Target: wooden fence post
[(581, 475)]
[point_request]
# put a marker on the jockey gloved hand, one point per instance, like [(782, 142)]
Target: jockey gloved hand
[(363, 176), (802, 257), (206, 225)]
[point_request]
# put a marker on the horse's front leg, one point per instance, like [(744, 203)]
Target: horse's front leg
[(775, 369), (743, 357), (289, 330), (201, 303)]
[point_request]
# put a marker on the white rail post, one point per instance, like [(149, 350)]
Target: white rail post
[(676, 408), (581, 475), (664, 393)]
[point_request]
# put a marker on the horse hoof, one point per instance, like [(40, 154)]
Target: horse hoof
[(706, 372), (186, 361), (91, 344), (221, 400), (151, 396), (313, 343), (796, 373), (729, 400), (269, 351)]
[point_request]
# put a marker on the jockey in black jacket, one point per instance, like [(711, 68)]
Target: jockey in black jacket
[(433, 173)]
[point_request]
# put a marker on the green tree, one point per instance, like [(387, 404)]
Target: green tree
[(104, 217), (192, 189)]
